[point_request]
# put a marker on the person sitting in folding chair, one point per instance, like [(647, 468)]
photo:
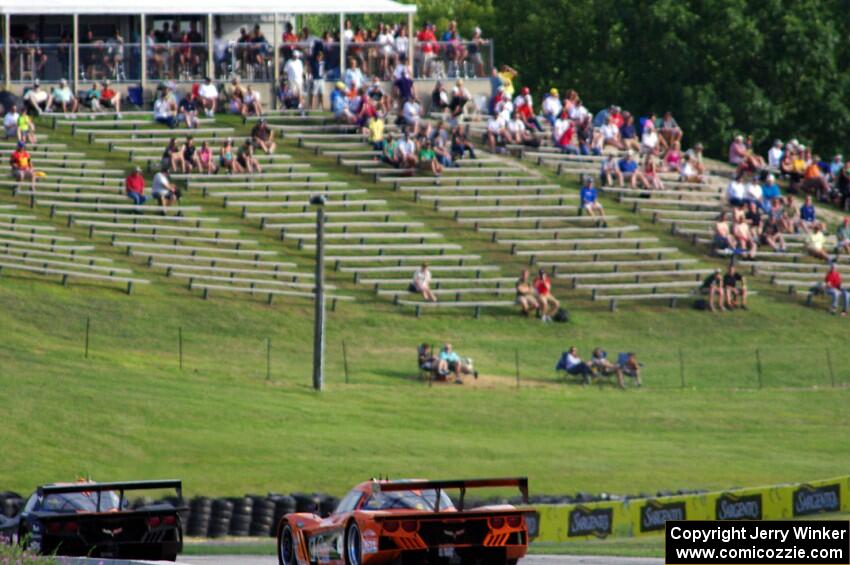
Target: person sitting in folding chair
[(431, 364), (600, 363), (629, 366), (572, 364)]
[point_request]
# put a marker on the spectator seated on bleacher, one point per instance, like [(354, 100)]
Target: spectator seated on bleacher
[(91, 98), (461, 145), (22, 166), (246, 158), (191, 160), (722, 238), (774, 155), (609, 171), (736, 192), (390, 151), (26, 128), (411, 117), (816, 243), (110, 98), (208, 97), (589, 197), (552, 107), (628, 133), (252, 104), (187, 111), (459, 99), (735, 287), (688, 172), (669, 129), (742, 156), (842, 237), (650, 142), (771, 234), (164, 191), (64, 99), (421, 283), (339, 104), (439, 98), (769, 192), (458, 365), (263, 137), (611, 134), (428, 159), (628, 167), (524, 107), (672, 158), (10, 123), (563, 135), (746, 242), (815, 181), (134, 186), (172, 157), (835, 290), (36, 99), (572, 364), (712, 285), (808, 216), (548, 304), (441, 151), (165, 108), (525, 294), (518, 132), (206, 160), (233, 95), (406, 152), (431, 364), (752, 216), (227, 158), (651, 176)]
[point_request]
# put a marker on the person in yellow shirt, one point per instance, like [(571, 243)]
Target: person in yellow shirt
[(376, 133), (26, 129), (507, 74)]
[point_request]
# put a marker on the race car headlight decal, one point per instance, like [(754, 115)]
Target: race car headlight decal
[(169, 520), (154, 521), (497, 522), (514, 521), (72, 527), (391, 526), (54, 527), (409, 526)]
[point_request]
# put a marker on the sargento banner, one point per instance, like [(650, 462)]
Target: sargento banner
[(647, 516)]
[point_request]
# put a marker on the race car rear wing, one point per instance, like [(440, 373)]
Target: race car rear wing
[(462, 485), (47, 490)]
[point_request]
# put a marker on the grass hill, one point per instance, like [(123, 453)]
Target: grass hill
[(129, 411)]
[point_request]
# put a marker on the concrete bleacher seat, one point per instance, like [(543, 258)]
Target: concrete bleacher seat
[(476, 306), (67, 273), (269, 293)]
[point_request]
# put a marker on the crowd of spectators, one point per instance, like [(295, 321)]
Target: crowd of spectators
[(440, 365), (600, 366)]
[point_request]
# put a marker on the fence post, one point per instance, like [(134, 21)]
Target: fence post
[(345, 361), (88, 325), (516, 359), (682, 367), (268, 358), (829, 364), (180, 345), (758, 367)]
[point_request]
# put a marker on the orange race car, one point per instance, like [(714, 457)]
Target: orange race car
[(408, 521)]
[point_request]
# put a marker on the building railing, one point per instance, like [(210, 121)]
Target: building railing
[(188, 62)]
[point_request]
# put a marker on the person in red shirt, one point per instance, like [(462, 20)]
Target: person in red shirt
[(834, 290), (543, 289), (134, 186), (109, 98), (21, 163), (427, 47)]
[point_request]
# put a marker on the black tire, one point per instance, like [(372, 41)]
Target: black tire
[(167, 555), (286, 547), (353, 545)]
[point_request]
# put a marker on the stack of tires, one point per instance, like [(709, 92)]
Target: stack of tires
[(200, 509), (221, 511), (328, 505), (10, 503), (262, 516), (307, 502), (283, 505), (240, 521)]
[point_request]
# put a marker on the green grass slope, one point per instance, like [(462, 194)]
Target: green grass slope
[(128, 411)]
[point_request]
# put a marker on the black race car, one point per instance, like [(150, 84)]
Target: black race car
[(96, 520)]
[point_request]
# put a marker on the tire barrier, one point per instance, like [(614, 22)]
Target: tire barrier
[(240, 520), (220, 514), (200, 509), (10, 503)]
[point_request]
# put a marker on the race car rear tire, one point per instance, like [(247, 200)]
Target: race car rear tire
[(167, 555), (353, 545), (286, 547)]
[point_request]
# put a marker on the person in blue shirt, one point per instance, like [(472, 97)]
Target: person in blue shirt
[(629, 167), (769, 192), (590, 199), (808, 215), (455, 364), (339, 102)]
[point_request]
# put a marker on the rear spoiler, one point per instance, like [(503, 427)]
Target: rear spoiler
[(462, 485), (47, 490)]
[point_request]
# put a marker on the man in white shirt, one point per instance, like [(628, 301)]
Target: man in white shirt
[(736, 192), (294, 71), (208, 94), (775, 154), (37, 99), (552, 106), (496, 130), (406, 152), (353, 77), (611, 134), (163, 190), (10, 123), (649, 140), (411, 112), (753, 192), (579, 112)]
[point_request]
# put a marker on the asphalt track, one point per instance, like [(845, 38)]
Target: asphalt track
[(533, 560)]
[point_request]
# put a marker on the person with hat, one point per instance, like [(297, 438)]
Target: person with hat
[(552, 106), (208, 97), (524, 106), (110, 98), (134, 186), (339, 103), (263, 136), (549, 305), (64, 99), (37, 100)]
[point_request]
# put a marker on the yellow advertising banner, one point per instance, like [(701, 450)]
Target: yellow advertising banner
[(646, 516)]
